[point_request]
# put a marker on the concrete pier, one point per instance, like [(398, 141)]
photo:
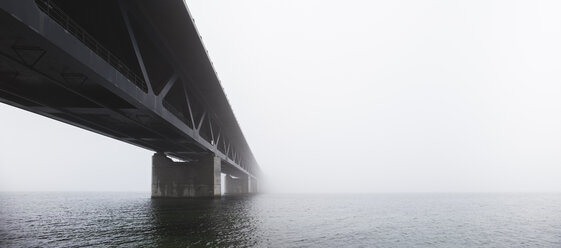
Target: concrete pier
[(199, 178), (253, 186), (236, 185)]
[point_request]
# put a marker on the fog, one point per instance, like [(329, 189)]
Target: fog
[(351, 96)]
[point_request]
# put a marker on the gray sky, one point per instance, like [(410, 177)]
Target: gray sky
[(351, 96)]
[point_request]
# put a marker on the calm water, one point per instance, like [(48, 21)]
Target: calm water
[(391, 220)]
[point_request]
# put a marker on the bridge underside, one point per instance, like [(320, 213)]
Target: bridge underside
[(133, 77)]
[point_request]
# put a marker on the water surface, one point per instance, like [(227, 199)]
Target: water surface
[(378, 220)]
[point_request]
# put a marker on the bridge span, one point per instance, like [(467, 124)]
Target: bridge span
[(135, 71)]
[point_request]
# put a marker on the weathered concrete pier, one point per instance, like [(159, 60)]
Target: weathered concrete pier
[(185, 179)]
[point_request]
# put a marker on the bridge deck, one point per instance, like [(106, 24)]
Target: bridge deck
[(139, 74)]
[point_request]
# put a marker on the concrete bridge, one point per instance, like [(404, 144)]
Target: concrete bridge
[(135, 71)]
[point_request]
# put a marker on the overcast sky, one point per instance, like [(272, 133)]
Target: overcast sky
[(351, 96)]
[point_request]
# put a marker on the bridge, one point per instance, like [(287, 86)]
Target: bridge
[(135, 71)]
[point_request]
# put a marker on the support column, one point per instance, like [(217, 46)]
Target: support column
[(253, 185), (199, 178), (236, 186)]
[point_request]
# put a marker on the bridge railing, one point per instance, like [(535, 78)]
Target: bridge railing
[(58, 15)]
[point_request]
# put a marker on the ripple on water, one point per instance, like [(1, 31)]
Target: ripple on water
[(383, 220)]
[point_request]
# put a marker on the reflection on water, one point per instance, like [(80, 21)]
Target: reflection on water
[(384, 220), (225, 222)]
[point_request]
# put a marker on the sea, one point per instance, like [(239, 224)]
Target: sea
[(61, 219)]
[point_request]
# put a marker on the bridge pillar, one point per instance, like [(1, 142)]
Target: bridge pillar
[(253, 185), (199, 178), (236, 185)]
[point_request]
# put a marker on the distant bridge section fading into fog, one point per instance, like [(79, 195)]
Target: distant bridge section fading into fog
[(135, 71)]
